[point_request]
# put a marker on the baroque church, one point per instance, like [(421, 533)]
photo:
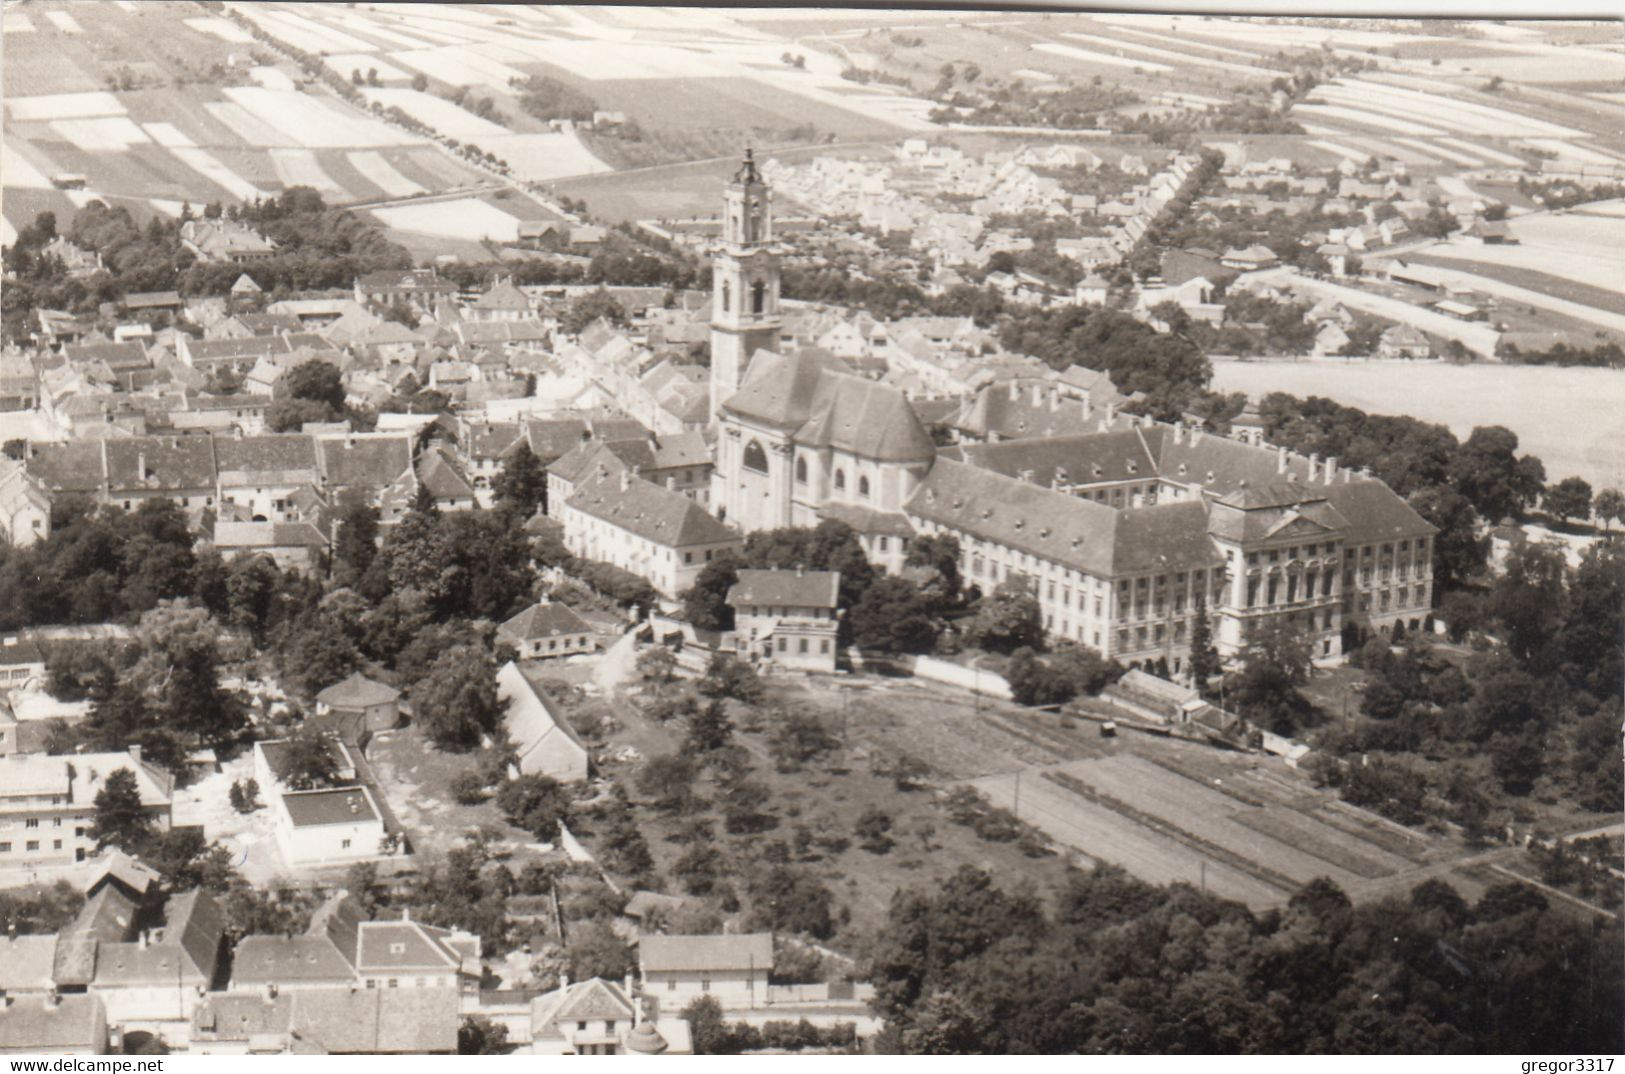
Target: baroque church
[(800, 437)]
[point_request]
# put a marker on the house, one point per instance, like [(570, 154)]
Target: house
[(502, 302), (293, 546), (328, 1021), (158, 976), (225, 240), (48, 803), (356, 707), (733, 969), (1250, 259), (786, 618), (417, 288), (544, 742), (547, 630), (145, 302), (1330, 339), (410, 955), (78, 263), (323, 956), (657, 533), (1336, 255), (599, 1017), (54, 1025), (1092, 290), (22, 662), (328, 825), (1403, 341), (1488, 233)]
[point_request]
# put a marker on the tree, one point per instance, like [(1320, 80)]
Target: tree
[(121, 820), (1485, 471), (709, 729), (787, 899), (657, 665), (894, 616), (1204, 662), (1458, 552), (245, 795), (457, 701), (590, 307), (420, 82), (1568, 499), (707, 1030), (177, 674), (1274, 663), (522, 483), (668, 779), (356, 542), (1609, 507), (479, 1035), (705, 603), (596, 950), (727, 676), (291, 415), (311, 760), (940, 553), (872, 829), (535, 803), (1007, 619)]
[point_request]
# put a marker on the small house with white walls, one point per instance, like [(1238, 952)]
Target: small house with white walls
[(544, 742), (731, 968)]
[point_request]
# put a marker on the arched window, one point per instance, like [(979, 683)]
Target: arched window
[(758, 296), (801, 470), (863, 487), (840, 480), (727, 297), (755, 457)]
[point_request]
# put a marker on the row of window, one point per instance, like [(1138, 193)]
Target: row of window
[(784, 645), (30, 846)]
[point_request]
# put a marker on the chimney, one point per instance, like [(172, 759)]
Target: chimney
[(1111, 413), (1196, 434), (627, 985), (1280, 460), (141, 939), (269, 992), (135, 752), (1179, 432), (1015, 391), (626, 480), (53, 1000), (564, 980), (1331, 468), (801, 570), (1314, 466), (141, 465)]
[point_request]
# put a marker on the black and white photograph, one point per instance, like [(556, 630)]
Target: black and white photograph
[(551, 530)]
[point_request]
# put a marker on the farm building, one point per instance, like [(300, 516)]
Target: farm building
[(1403, 341), (546, 630), (732, 969), (544, 742)]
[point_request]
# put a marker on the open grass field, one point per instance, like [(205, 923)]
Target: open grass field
[(1571, 418)]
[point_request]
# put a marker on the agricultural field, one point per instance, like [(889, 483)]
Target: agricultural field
[(1570, 417)]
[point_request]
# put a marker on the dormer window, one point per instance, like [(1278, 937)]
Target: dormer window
[(397, 949), (1020, 525), (1133, 467)]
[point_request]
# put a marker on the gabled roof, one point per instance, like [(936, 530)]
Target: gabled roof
[(363, 461), (532, 718), (799, 589), (403, 945), (503, 295), (693, 954), (26, 962), (170, 463), (257, 459), (592, 1000), (545, 620), (441, 477), (653, 512), (396, 1021)]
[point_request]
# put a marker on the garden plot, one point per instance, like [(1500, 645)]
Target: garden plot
[(347, 63), (248, 128), (1072, 52), (1493, 155), (304, 34), (299, 167), (105, 133), (1566, 150), (540, 157), (1460, 115), (64, 22), (1108, 836), (461, 218), (272, 79), (1407, 150), (17, 170), (314, 124), (1554, 63), (380, 173), (1124, 24), (1364, 118), (167, 135), (1184, 58), (63, 106), (1341, 150), (441, 115), (224, 29), (459, 65), (210, 167)]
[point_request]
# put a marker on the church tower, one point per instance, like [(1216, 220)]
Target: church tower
[(744, 283)]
